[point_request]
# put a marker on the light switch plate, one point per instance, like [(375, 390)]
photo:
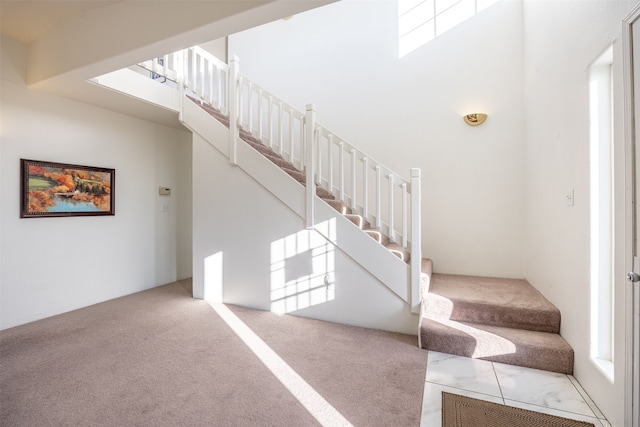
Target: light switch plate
[(569, 197)]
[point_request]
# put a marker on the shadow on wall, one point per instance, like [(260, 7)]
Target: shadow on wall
[(302, 270)]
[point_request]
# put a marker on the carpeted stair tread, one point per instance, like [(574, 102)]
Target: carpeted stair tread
[(264, 150), (492, 301), (378, 236), (247, 137), (531, 349), (324, 194), (399, 251), (359, 221), (279, 161), (339, 205), (296, 174)]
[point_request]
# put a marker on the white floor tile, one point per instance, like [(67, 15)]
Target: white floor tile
[(586, 397), (596, 422), (541, 388), (432, 402), (462, 373)]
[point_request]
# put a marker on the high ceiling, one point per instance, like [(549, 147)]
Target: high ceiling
[(70, 42), (26, 20)]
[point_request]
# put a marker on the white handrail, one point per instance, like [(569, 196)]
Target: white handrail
[(393, 203)]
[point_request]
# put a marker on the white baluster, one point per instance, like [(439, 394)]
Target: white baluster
[(330, 160), (392, 236), (234, 101), (365, 188), (291, 136), (280, 125), (250, 108), (184, 69), (341, 145), (270, 126), (210, 80), (165, 65), (201, 68), (218, 103), (318, 159), (405, 214), (378, 197), (302, 147), (353, 179), (260, 109), (192, 79), (240, 103), (180, 69)]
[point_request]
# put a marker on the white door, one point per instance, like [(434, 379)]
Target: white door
[(631, 290)]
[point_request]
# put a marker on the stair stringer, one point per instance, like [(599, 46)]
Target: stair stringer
[(281, 185), (369, 254)]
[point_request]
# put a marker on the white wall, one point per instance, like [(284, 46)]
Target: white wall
[(217, 47), (407, 112), (53, 265), (235, 223), (562, 39), (184, 202)]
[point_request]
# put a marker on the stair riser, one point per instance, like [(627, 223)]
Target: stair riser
[(281, 163), (509, 317), (530, 352)]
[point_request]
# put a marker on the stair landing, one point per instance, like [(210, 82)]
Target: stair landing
[(501, 320)]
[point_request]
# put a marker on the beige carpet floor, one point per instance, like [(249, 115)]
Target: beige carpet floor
[(162, 358)]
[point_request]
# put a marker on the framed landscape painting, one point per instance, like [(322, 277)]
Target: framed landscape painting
[(58, 189)]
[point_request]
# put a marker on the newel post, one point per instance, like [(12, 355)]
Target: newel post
[(181, 69), (416, 238), (233, 94), (309, 137)]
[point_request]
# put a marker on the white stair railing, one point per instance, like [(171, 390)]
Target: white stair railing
[(277, 124), (382, 197)]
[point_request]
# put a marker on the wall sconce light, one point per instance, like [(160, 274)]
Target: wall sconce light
[(475, 119)]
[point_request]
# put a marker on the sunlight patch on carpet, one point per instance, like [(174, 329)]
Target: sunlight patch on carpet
[(313, 402)]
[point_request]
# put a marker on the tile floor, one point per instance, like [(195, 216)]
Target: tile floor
[(541, 391)]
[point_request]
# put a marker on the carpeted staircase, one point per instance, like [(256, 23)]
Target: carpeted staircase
[(501, 320), (324, 194)]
